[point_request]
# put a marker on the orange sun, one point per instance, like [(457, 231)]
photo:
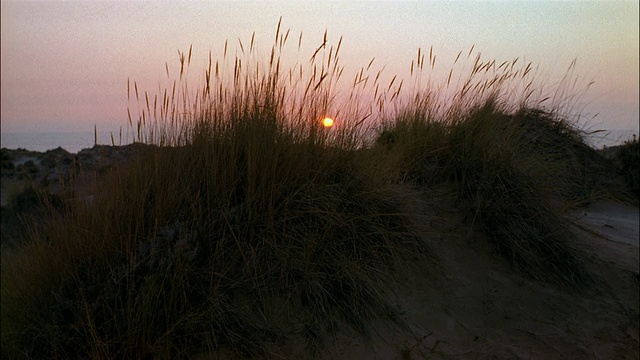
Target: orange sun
[(327, 122)]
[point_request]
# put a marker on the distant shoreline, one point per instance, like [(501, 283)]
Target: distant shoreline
[(76, 141), (72, 141)]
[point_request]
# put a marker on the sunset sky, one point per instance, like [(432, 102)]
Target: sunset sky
[(65, 65)]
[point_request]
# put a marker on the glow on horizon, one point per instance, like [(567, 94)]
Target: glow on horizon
[(65, 65)]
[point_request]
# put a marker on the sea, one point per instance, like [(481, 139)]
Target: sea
[(73, 142)]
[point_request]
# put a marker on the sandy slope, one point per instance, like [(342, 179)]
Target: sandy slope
[(472, 305)]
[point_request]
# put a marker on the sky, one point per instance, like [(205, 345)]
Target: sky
[(65, 65)]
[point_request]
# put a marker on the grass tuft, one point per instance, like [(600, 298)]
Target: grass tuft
[(515, 174)]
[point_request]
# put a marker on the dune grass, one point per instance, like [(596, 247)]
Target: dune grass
[(516, 174), (250, 224)]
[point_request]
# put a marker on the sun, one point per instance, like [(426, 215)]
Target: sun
[(327, 122)]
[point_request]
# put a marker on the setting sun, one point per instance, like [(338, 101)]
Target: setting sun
[(327, 122)]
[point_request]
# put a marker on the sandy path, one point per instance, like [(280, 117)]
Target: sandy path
[(612, 221)]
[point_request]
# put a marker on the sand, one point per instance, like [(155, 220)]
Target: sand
[(474, 306), (611, 221)]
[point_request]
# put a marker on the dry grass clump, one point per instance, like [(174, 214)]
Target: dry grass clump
[(517, 167), (515, 187), (515, 174)]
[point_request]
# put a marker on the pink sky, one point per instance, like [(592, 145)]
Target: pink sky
[(65, 64)]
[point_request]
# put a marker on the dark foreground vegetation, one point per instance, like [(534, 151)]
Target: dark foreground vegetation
[(251, 225)]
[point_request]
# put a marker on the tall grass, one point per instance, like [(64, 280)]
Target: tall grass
[(248, 224)]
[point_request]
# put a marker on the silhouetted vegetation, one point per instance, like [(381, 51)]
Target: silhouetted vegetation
[(250, 224)]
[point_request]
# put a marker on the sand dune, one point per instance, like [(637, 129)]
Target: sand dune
[(469, 303)]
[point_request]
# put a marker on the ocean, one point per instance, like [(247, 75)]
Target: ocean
[(76, 141), (73, 142)]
